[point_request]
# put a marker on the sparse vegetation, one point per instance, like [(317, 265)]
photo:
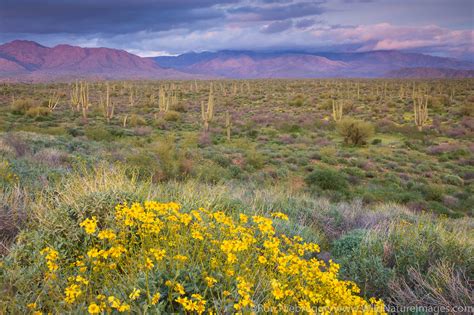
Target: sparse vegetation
[(355, 132), (385, 194)]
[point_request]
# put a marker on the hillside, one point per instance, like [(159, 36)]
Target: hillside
[(248, 64), (29, 61)]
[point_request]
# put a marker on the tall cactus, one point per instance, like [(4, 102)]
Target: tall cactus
[(75, 98), (337, 110), (208, 114), (132, 97), (84, 99), (228, 125), (108, 107), (164, 100), (420, 108)]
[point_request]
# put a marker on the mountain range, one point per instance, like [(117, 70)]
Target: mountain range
[(28, 61)]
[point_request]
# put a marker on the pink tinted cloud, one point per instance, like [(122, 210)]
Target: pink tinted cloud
[(385, 36)]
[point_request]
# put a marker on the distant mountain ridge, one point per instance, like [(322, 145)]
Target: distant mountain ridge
[(28, 61), (248, 64)]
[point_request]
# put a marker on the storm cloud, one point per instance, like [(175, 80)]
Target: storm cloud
[(155, 27)]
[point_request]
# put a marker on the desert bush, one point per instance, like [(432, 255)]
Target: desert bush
[(210, 172), (98, 133), (467, 108), (37, 111), (442, 286), (154, 245), (13, 216), (159, 123), (355, 132), (173, 163), (22, 105), (254, 158), (376, 141), (421, 244), (348, 243), (364, 268), (298, 101), (172, 116), (7, 176), (19, 146), (51, 157), (142, 131), (143, 164), (453, 180), (136, 120), (433, 192), (326, 179), (180, 107)]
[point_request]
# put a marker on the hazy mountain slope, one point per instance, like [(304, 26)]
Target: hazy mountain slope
[(245, 64), (29, 61)]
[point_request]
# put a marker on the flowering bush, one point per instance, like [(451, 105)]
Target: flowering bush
[(156, 257)]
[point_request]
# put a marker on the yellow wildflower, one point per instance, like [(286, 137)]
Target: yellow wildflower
[(155, 298), (93, 309), (135, 294), (89, 225), (210, 281), (280, 215)]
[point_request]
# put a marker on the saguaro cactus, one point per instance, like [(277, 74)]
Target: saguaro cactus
[(337, 110), (163, 102), (420, 108), (132, 97), (84, 99), (107, 105), (75, 92), (228, 125), (208, 114)]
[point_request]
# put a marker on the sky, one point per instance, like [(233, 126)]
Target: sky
[(170, 27)]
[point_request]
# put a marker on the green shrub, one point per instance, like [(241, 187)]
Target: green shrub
[(327, 179), (210, 172), (137, 120), (348, 243), (355, 132), (171, 116), (368, 271), (433, 192), (298, 101), (37, 111), (377, 141), (354, 171), (254, 158), (453, 180), (467, 109), (363, 267), (98, 133), (172, 161), (21, 106)]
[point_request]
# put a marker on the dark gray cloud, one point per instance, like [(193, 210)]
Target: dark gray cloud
[(104, 16), (150, 27), (280, 11), (305, 23)]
